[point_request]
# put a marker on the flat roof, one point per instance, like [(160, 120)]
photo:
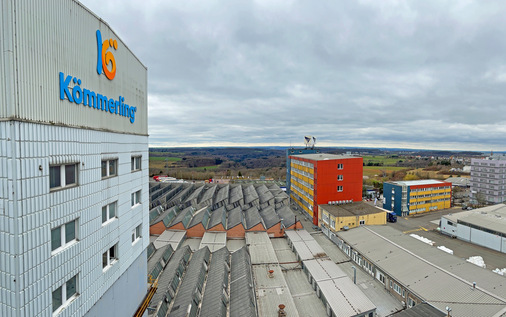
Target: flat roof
[(352, 209), (418, 182), (260, 248), (490, 217), (420, 310), (439, 278), (462, 181), (324, 156)]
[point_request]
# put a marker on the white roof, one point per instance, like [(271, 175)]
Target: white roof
[(419, 182), (490, 217), (172, 237)]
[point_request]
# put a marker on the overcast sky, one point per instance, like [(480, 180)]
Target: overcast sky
[(420, 74)]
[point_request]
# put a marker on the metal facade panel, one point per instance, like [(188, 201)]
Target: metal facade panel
[(60, 36), (486, 239), (39, 210)]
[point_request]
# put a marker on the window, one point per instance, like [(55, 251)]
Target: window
[(109, 168), (380, 277), (109, 212), (110, 256), (64, 294), (339, 188), (397, 289), (61, 176), (136, 198), (362, 222), (340, 166), (136, 163), (63, 235), (339, 177), (136, 234)]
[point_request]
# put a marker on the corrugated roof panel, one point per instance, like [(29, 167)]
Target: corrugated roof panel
[(242, 289), (234, 217), (217, 217), (192, 283), (169, 276), (345, 298), (214, 301), (260, 248), (270, 217), (252, 217)]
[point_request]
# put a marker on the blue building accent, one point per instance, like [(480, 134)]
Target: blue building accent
[(392, 198), (293, 151)]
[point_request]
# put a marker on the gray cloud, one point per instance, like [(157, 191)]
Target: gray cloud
[(425, 74)]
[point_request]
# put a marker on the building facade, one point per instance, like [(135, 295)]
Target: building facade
[(290, 152), (323, 178), (483, 226), (73, 164), (334, 218), (488, 178), (412, 197)]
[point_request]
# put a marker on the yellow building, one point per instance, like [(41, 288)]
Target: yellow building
[(412, 197), (351, 215)]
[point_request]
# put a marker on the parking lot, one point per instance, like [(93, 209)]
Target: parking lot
[(426, 225)]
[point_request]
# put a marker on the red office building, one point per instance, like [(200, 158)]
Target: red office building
[(322, 178)]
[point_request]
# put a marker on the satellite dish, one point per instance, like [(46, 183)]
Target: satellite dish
[(307, 140)]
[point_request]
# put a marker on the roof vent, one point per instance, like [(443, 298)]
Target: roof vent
[(281, 311), (271, 273)]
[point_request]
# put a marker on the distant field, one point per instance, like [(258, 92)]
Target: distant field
[(376, 170), (163, 158), (381, 159), (208, 168)]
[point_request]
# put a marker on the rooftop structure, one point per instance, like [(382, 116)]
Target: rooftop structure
[(233, 209), (417, 272), (336, 217), (324, 156), (351, 209), (334, 287)]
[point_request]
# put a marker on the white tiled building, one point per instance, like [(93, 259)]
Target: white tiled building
[(488, 180), (73, 167)]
